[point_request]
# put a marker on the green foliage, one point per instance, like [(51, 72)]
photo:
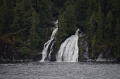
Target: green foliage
[(67, 21), (91, 25), (62, 27), (31, 21), (18, 15), (6, 15), (99, 25), (24, 50), (109, 33), (1, 21), (117, 41), (34, 38), (70, 17), (81, 6)]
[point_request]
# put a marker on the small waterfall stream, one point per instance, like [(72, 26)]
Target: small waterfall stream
[(68, 51), (45, 53)]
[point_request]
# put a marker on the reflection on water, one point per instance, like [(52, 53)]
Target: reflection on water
[(61, 70)]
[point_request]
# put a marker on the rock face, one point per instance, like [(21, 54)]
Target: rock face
[(37, 57)]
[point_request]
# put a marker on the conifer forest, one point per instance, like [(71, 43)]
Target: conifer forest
[(25, 25)]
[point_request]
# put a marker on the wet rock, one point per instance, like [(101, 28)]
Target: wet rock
[(37, 57)]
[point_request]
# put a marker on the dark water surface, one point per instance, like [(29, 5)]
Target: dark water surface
[(59, 70)]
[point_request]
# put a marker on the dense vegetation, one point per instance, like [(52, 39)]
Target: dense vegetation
[(25, 25)]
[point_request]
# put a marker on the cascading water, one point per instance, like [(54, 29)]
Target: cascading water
[(68, 51), (45, 53)]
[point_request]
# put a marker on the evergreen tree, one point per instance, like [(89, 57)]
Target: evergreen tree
[(67, 21), (1, 21), (34, 38), (92, 33), (99, 25), (62, 27), (18, 16), (29, 22), (70, 17), (92, 25), (7, 15), (109, 27), (117, 41), (81, 7)]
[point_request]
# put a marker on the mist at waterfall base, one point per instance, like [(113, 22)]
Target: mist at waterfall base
[(60, 70)]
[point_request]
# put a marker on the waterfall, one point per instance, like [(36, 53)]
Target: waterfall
[(68, 51), (45, 53)]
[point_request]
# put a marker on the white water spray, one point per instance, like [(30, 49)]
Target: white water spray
[(68, 51), (45, 53)]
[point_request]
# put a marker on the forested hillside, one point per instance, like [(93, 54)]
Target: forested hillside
[(25, 25)]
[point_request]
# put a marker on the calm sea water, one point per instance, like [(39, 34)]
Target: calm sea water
[(59, 70)]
